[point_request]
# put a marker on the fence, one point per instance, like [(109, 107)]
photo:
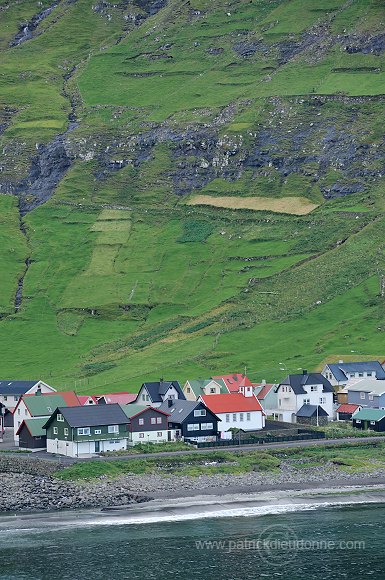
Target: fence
[(257, 440)]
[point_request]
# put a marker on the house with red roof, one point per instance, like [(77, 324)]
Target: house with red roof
[(123, 398), (87, 400), (346, 411), (41, 404), (236, 411), (237, 383)]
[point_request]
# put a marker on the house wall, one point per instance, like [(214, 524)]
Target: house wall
[(362, 398), (84, 448), (199, 434), (161, 422), (188, 392), (233, 420), (26, 441), (160, 436), (378, 426), (288, 401), (270, 402), (20, 414)]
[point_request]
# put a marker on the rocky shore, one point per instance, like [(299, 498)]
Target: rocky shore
[(23, 490)]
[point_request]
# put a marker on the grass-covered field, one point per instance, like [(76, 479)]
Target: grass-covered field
[(248, 106), (352, 458)]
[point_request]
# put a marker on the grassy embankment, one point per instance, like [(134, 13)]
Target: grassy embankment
[(352, 458)]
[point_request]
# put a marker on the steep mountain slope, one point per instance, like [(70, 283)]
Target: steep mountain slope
[(189, 187)]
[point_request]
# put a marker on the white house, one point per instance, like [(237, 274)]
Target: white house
[(155, 393), (306, 389), (194, 389), (338, 374), (235, 411), (12, 391)]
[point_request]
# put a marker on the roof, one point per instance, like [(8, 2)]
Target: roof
[(45, 404), (297, 382), (92, 415), (374, 386), (369, 414), (198, 386), (120, 398), (231, 403), (159, 388), (311, 411), (339, 370), (34, 426), (16, 387), (234, 381), (264, 391), (347, 408), (132, 410), (83, 399), (180, 410)]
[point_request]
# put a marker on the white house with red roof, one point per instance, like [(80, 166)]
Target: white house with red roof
[(123, 398), (237, 383), (236, 411), (85, 400)]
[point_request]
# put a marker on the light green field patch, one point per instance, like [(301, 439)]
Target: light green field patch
[(114, 214), (102, 261)]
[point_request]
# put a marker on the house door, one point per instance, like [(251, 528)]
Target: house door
[(169, 435), (97, 446)]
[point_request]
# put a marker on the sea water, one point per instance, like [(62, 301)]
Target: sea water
[(315, 543)]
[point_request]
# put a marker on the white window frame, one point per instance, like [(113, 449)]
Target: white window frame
[(55, 430), (241, 417), (65, 430), (141, 421), (313, 388), (113, 428), (248, 416), (362, 395), (84, 431), (159, 420), (98, 431), (60, 418), (200, 413), (153, 420), (371, 398), (227, 417), (141, 435)]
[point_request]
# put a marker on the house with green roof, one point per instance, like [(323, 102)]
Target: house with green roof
[(373, 419), (32, 435), (195, 389), (41, 404)]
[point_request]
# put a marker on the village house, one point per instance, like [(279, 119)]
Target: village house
[(31, 434), (367, 393), (155, 393), (346, 411), (191, 420), (338, 374), (236, 383), (87, 400), (146, 424), (41, 405), (373, 419), (86, 431), (267, 396), (120, 398), (11, 391), (304, 389), (236, 411), (194, 389)]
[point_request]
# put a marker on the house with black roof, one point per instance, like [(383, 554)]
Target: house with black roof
[(298, 390), (190, 420), (86, 431), (155, 393), (12, 391), (340, 373)]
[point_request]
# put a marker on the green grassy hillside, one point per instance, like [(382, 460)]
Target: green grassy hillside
[(123, 125)]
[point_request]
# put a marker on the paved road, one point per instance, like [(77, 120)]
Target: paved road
[(242, 449)]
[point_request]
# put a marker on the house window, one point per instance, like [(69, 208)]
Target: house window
[(193, 427), (141, 421), (200, 413), (5, 398), (60, 417), (241, 416), (153, 420), (207, 426), (25, 412), (15, 398), (84, 431), (141, 435), (159, 433), (370, 397), (227, 418), (313, 388), (362, 395), (18, 411), (212, 390), (159, 420), (248, 417), (188, 390), (369, 374), (55, 430), (352, 375), (234, 416), (358, 421), (143, 397), (306, 401), (98, 431), (372, 422), (65, 430), (113, 428)]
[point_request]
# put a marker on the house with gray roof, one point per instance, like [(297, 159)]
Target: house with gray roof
[(312, 415), (147, 424), (12, 391), (191, 420), (340, 373), (298, 390), (367, 393), (86, 431), (155, 393)]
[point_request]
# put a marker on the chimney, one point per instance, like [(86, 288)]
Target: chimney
[(263, 382), (340, 362), (304, 372), (170, 403)]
